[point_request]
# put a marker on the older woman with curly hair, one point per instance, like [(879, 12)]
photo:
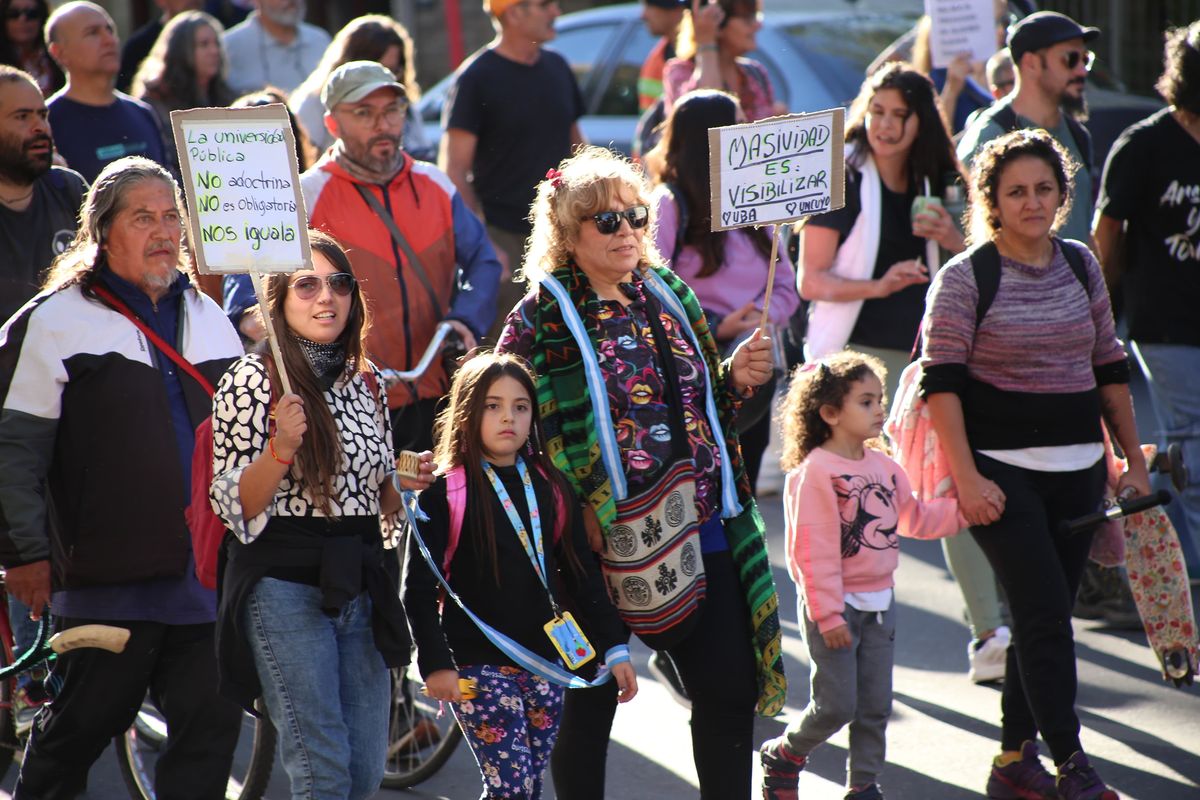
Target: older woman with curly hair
[(1022, 368), (634, 395)]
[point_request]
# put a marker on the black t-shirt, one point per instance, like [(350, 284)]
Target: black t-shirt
[(522, 115), (890, 322), (1152, 181), (31, 239)]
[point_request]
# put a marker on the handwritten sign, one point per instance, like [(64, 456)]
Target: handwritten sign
[(777, 170), (242, 183), (961, 26)]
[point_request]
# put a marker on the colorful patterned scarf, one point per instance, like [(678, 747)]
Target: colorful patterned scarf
[(566, 411)]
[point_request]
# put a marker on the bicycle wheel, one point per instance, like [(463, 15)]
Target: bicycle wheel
[(137, 753), (419, 742)]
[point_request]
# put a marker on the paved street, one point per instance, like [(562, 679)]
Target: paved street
[(1143, 734)]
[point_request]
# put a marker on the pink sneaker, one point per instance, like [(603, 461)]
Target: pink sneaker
[(781, 770)]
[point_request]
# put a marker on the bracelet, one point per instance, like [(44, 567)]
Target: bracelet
[(274, 455)]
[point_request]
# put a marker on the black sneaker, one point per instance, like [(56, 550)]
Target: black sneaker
[(781, 770), (868, 793), (663, 669)]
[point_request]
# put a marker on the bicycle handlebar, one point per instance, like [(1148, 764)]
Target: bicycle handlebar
[(393, 376), (1118, 510)]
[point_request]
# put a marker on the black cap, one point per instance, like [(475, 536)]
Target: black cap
[(669, 3), (1043, 29)]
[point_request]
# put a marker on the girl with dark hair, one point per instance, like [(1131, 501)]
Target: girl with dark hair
[(309, 595), (1018, 398), (23, 43), (711, 49), (516, 560), (372, 37), (728, 269)]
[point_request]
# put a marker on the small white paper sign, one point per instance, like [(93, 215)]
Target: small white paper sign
[(242, 184), (961, 26), (777, 170)]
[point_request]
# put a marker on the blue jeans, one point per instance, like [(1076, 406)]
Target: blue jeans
[(326, 689), (1173, 376)]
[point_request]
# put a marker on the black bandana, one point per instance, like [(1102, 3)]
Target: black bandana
[(328, 360)]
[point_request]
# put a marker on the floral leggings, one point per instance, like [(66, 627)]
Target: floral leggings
[(511, 726)]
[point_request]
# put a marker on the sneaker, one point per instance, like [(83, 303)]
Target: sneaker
[(663, 669), (869, 793), (781, 770), (26, 703), (988, 657), (1078, 781), (1026, 779)]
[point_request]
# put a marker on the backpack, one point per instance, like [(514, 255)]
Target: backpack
[(1006, 118), (456, 499), (208, 530)]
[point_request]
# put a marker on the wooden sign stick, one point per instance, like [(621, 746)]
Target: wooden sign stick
[(762, 323), (260, 291)]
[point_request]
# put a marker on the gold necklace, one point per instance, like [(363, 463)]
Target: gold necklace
[(9, 201)]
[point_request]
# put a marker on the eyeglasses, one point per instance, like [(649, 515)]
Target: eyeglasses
[(369, 118), (1071, 59), (308, 287), (610, 221), (30, 14)]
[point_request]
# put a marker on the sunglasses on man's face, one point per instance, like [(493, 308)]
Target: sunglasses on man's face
[(308, 287), (1072, 58), (31, 14), (610, 221)]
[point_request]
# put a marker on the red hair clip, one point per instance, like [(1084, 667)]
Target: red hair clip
[(555, 178)]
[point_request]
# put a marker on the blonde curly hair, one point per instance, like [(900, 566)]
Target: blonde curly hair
[(586, 183)]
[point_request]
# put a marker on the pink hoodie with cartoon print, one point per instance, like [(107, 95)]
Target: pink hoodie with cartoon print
[(842, 518)]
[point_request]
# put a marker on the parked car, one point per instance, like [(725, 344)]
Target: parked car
[(816, 60)]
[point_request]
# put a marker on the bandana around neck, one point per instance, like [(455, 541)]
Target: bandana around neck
[(328, 361)]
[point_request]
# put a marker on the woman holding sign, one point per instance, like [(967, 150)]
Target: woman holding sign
[(310, 615), (639, 413), (728, 269)]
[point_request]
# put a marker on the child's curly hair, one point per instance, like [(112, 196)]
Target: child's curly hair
[(824, 382)]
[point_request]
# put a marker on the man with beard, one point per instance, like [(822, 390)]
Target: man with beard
[(96, 124), (274, 46), (97, 424), (407, 231), (38, 203), (1049, 51)]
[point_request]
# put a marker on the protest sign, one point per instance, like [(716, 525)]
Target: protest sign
[(242, 185), (777, 170), (961, 26)]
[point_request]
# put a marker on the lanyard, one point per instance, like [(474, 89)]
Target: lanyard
[(534, 548)]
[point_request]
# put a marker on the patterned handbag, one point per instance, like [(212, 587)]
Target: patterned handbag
[(651, 559)]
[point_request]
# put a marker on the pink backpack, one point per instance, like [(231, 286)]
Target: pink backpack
[(456, 499)]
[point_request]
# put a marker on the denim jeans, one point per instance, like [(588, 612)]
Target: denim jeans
[(326, 689), (1173, 377)]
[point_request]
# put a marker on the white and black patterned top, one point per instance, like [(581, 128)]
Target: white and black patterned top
[(240, 415)]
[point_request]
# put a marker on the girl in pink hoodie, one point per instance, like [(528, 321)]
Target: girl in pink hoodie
[(845, 502)]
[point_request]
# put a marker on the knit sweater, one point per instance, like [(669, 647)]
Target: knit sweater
[(1029, 372), (841, 522)]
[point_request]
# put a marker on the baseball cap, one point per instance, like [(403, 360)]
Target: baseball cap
[(354, 80), (498, 7), (1044, 29)]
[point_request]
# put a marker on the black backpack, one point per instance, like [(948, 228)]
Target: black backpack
[(1006, 118)]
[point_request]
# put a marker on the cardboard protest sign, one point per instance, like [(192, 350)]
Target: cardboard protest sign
[(242, 185), (961, 26), (777, 170)]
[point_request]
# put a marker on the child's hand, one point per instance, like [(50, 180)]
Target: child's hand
[(838, 638), (626, 679), (425, 477), (443, 685)]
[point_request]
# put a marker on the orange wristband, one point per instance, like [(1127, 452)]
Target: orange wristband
[(271, 447)]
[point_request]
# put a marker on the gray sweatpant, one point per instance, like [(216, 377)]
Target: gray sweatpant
[(849, 685)]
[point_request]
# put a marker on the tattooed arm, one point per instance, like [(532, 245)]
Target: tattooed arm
[(1117, 407)]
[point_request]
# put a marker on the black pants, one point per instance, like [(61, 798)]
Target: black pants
[(717, 666), (754, 442), (100, 697), (1040, 569), (412, 426)]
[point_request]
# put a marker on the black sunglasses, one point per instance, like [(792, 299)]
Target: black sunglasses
[(1072, 58), (26, 13), (308, 287), (610, 221)]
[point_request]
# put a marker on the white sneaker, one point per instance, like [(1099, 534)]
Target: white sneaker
[(987, 658)]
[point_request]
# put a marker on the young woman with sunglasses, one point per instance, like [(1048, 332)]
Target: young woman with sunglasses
[(711, 53), (23, 45), (309, 613), (727, 270), (593, 237)]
